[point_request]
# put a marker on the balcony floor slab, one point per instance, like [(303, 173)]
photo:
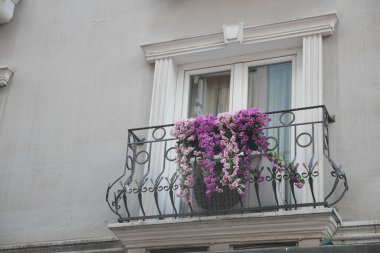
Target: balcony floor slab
[(303, 227)]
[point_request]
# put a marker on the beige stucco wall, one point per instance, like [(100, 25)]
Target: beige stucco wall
[(81, 80)]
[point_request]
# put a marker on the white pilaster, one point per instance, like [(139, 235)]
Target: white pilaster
[(312, 69), (311, 91)]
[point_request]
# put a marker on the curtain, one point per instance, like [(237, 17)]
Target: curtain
[(269, 88), (209, 94), (279, 98)]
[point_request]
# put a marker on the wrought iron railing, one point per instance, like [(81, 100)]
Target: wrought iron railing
[(148, 186)]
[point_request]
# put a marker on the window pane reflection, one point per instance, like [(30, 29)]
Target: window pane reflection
[(209, 93)]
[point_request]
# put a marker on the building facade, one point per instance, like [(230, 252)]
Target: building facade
[(76, 75)]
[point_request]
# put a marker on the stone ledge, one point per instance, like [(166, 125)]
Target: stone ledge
[(84, 245), (360, 248), (354, 232), (307, 225)]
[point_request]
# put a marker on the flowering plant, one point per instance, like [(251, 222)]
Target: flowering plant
[(232, 138)]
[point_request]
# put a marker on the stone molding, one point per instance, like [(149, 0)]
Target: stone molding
[(308, 225), (85, 245), (296, 28), (7, 8), (5, 75), (358, 232)]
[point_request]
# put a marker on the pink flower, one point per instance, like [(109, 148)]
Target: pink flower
[(234, 185), (231, 136)]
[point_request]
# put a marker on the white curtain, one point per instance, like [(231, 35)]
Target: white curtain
[(269, 89), (279, 98), (209, 94)]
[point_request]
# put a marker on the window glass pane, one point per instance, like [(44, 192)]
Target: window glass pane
[(209, 93), (269, 86)]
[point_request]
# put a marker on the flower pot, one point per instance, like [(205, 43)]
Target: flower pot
[(225, 200), (228, 199)]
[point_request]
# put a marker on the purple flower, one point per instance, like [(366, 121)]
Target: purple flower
[(232, 137)]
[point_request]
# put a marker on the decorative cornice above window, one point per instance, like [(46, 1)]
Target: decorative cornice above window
[(279, 35)]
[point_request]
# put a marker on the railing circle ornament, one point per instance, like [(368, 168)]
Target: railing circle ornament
[(157, 130), (275, 140), (307, 143), (292, 118), (129, 163), (141, 153), (167, 154)]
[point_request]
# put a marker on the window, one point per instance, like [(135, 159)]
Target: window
[(274, 49), (242, 82)]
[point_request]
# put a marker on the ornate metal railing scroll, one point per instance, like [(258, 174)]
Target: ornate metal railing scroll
[(148, 185)]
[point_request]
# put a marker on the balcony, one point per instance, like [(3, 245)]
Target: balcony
[(147, 189)]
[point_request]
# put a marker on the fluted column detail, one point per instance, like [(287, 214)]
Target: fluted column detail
[(312, 90)]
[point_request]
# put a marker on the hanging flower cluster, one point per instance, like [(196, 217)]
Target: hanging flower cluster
[(231, 138)]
